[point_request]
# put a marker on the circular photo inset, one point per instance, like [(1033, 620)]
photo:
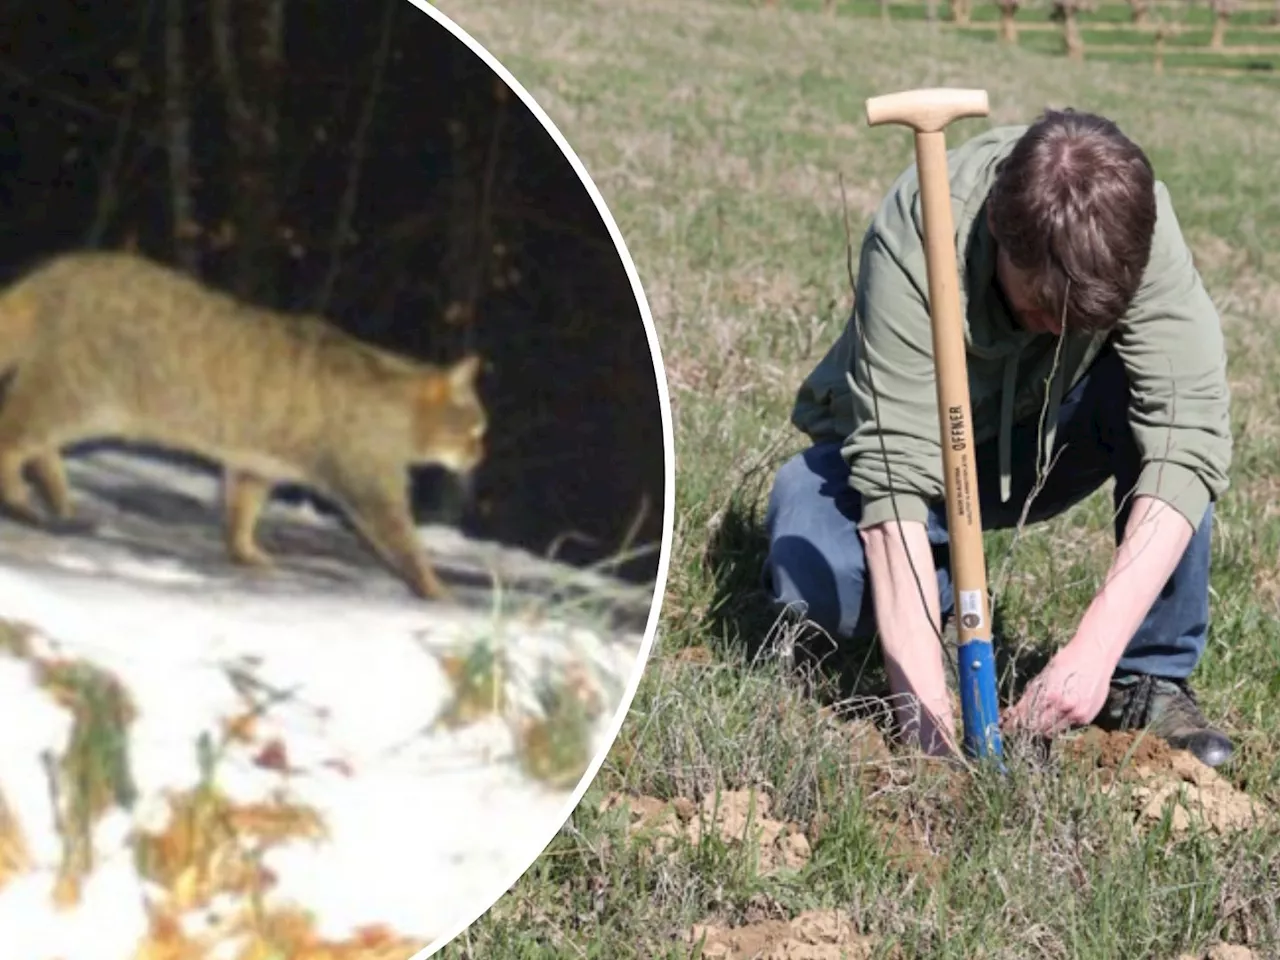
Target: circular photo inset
[(335, 480)]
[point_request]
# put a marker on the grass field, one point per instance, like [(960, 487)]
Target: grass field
[(719, 135)]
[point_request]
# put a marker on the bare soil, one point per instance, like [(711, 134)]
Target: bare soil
[(735, 817), (1162, 781), (1224, 951), (813, 935), (1157, 781)]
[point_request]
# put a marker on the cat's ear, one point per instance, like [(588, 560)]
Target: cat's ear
[(463, 373)]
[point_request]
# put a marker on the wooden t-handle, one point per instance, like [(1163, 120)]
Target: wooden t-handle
[(927, 111)]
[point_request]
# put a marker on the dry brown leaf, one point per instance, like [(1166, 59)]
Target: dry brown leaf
[(15, 856), (211, 846)]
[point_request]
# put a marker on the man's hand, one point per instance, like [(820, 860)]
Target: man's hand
[(1069, 692), (1073, 687)]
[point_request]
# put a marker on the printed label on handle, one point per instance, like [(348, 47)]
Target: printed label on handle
[(971, 609)]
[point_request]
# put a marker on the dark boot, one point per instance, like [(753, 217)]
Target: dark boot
[(1168, 709)]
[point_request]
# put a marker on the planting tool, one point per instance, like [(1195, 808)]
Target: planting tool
[(927, 112)]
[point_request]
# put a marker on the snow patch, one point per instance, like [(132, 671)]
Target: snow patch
[(423, 825)]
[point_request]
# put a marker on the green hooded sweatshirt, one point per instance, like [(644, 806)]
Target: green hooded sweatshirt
[(1170, 342)]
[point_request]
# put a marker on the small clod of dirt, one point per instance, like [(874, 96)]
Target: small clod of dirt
[(1223, 951), (867, 744), (1120, 752), (1164, 780), (868, 749), (907, 848), (735, 817), (813, 935), (697, 655)]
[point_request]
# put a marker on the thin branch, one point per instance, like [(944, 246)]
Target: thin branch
[(247, 56), (483, 231), (224, 57), (178, 124), (347, 206), (108, 195), (1043, 468)]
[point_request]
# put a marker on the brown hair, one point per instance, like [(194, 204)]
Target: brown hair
[(1074, 206)]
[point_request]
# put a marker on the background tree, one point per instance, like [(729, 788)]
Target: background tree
[(1162, 33), (1222, 10), (248, 55), (1008, 25), (183, 224), (1067, 13)]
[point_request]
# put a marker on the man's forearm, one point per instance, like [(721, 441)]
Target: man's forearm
[(908, 637), (1155, 539)]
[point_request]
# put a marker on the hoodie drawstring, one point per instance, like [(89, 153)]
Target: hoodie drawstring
[(1006, 424)]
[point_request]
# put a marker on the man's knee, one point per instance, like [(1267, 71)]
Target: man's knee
[(810, 583), (815, 567)]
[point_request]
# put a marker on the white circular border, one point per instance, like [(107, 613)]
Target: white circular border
[(669, 466)]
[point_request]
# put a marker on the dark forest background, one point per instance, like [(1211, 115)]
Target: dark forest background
[(353, 158)]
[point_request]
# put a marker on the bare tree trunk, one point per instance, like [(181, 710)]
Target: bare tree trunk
[(249, 53), (471, 201), (884, 11), (829, 6), (1008, 25), (931, 10), (1139, 10), (1071, 36), (1159, 57), (1275, 14), (960, 11), (183, 226), (1220, 17)]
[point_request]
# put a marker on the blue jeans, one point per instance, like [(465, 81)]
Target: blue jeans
[(815, 566)]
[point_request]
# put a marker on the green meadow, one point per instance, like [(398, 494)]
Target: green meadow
[(745, 809)]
